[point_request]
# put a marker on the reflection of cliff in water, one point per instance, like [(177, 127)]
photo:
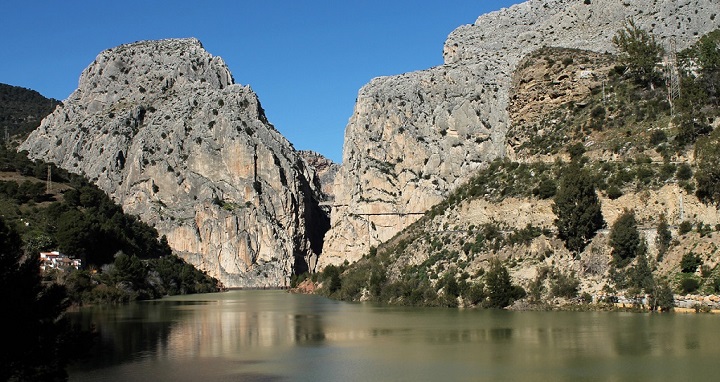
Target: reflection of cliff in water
[(186, 329), (125, 333), (309, 329)]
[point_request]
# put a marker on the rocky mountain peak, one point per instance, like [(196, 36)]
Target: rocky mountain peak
[(145, 70), (161, 127)]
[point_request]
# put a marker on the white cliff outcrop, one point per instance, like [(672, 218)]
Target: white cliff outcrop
[(162, 128)]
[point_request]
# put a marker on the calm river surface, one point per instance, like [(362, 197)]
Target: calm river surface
[(277, 336)]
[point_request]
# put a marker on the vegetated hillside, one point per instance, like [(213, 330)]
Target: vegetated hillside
[(123, 258), (22, 109), (609, 190), (454, 118)]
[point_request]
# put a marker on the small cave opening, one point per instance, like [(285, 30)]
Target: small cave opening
[(120, 160)]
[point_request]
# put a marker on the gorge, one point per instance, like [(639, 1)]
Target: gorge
[(162, 128)]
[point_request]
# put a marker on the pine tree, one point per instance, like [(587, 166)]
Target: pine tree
[(664, 237), (498, 286), (707, 154), (577, 208), (639, 52), (624, 238), (641, 276), (662, 297)]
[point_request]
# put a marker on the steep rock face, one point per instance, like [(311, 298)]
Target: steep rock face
[(161, 127), (414, 137), (325, 171)]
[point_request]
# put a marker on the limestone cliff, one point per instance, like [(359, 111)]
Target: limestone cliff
[(415, 137), (162, 128), (325, 171)]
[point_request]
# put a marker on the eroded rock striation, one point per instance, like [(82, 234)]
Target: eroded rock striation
[(415, 137), (162, 128)]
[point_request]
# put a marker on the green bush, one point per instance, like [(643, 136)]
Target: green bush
[(331, 276), (546, 189), (707, 153), (664, 237), (614, 192), (657, 137), (684, 172), (690, 262), (685, 227), (564, 285), (715, 285), (689, 285), (663, 298)]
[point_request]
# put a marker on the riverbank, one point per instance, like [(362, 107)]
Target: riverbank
[(683, 303)]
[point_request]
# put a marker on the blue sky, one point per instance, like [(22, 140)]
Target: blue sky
[(306, 60)]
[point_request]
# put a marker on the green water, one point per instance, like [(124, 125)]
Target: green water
[(276, 336)]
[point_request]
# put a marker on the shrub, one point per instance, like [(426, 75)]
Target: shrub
[(715, 285), (546, 189), (475, 294), (331, 276), (598, 112), (657, 137), (663, 298), (684, 172), (707, 153), (690, 262), (614, 192), (500, 290), (689, 285), (641, 276), (563, 285), (664, 237), (576, 150), (685, 227)]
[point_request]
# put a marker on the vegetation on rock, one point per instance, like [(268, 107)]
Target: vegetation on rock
[(618, 143), (123, 258), (23, 109)]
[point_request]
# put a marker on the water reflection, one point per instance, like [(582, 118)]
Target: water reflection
[(309, 329), (272, 336), (126, 334)]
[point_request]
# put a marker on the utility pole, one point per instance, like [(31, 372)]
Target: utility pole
[(672, 76), (682, 209), (48, 185), (7, 137)]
